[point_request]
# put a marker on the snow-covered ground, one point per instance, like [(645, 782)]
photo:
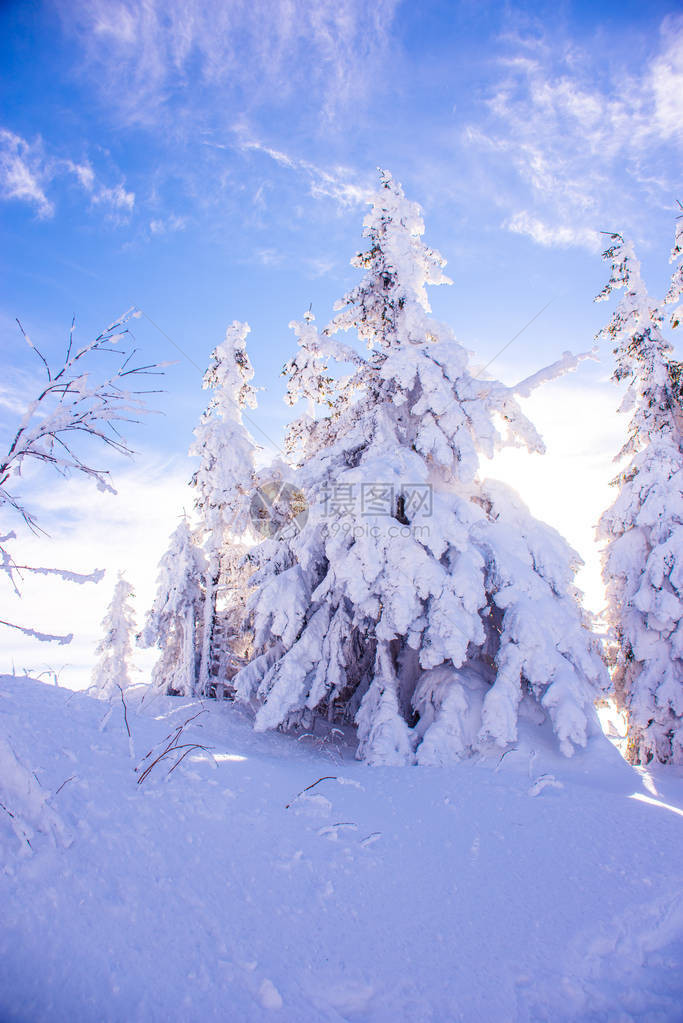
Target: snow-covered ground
[(524, 888)]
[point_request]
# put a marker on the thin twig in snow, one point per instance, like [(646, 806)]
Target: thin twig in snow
[(125, 710), (14, 818), (512, 750), (327, 777), (173, 746)]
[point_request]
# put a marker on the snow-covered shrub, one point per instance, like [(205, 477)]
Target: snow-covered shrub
[(418, 601), (643, 557)]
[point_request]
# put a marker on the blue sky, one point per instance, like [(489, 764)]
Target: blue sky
[(210, 161)]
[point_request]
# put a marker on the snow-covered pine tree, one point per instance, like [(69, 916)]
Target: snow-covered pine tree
[(643, 529), (174, 623), (424, 605), (224, 482), (115, 647)]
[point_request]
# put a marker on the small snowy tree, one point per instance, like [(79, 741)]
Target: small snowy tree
[(174, 623), (421, 603), (643, 529), (223, 484), (115, 647)]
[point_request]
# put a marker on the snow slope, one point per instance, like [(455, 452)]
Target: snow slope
[(527, 888)]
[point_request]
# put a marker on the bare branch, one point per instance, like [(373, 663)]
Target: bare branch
[(38, 352), (71, 338), (73, 404), (96, 407)]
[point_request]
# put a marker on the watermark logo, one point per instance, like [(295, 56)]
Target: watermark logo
[(278, 510), (370, 530), (403, 501)]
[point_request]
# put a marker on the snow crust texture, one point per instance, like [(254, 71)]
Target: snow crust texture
[(511, 890)]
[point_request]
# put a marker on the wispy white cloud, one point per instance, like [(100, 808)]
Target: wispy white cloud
[(142, 55), (246, 143), (117, 197), (268, 257), (320, 267), (27, 172), (168, 225), (11, 399), (22, 174), (340, 183), (665, 81), (551, 235), (582, 145)]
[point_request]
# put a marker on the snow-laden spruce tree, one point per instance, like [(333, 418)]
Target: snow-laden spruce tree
[(417, 601), (643, 557), (224, 483), (174, 623), (111, 673)]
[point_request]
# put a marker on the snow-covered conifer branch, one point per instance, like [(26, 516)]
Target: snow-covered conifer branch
[(566, 364)]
